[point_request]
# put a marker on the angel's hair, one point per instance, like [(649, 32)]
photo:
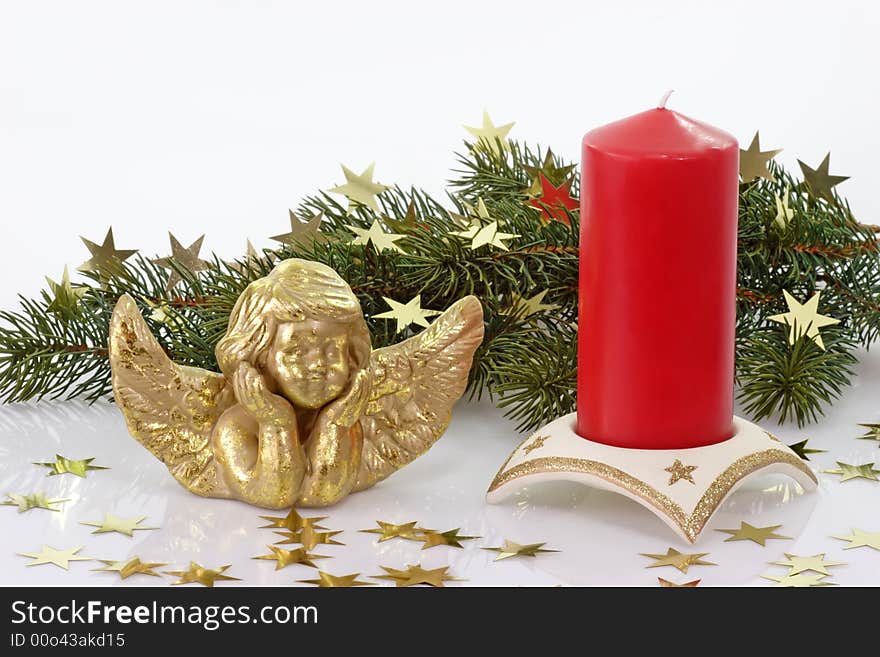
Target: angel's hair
[(295, 290)]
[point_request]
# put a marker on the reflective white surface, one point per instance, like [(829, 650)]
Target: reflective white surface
[(599, 535)]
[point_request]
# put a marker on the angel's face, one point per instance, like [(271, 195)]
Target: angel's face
[(309, 361)]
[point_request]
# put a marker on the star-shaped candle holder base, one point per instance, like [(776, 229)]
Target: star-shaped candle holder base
[(702, 477)]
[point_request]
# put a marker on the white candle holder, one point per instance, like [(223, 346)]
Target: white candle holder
[(683, 487)]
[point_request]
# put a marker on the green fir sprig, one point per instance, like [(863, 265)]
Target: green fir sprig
[(527, 363)]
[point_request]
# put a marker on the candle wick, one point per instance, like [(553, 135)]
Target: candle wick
[(662, 103)]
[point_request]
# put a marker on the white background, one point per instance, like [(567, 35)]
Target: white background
[(215, 117)]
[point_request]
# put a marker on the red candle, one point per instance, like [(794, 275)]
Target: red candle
[(657, 282)]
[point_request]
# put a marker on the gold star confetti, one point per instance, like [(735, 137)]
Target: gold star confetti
[(133, 566), (309, 538), (328, 581), (799, 581), (753, 161), (510, 549), (36, 500), (481, 235), (860, 538), (415, 575), (106, 259), (665, 583), (379, 238), (60, 558), (65, 296), (450, 538), (292, 522), (162, 313), (784, 213), (848, 471), (113, 523), (409, 223), (555, 174), (303, 233), (537, 443), (816, 563), (187, 258), (819, 181), (804, 319), (407, 313), (679, 470), (360, 189), (747, 532), (283, 557), (523, 308), (64, 465), (252, 260), (872, 433), (388, 531), (801, 449), (677, 559), (491, 138), (201, 575)]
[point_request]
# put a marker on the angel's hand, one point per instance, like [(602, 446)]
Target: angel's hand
[(348, 408), (255, 397)]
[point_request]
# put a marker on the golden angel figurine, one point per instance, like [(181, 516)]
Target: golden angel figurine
[(303, 411)]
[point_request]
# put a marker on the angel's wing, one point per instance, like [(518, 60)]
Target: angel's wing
[(170, 409), (415, 384)]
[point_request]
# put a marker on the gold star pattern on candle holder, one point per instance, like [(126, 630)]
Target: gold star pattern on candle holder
[(859, 538), (133, 566), (198, 574), (819, 182), (759, 535), (36, 500), (510, 549), (678, 471), (804, 319), (815, 563), (798, 581), (521, 307), (283, 557), (327, 581), (680, 560), (491, 138), (387, 531), (111, 523), (360, 189), (308, 537), (666, 584), (548, 169), (187, 258), (848, 471), (407, 313), (292, 522), (872, 433), (374, 235), (451, 538), (801, 449), (415, 575), (753, 161), (537, 443), (63, 465), (50, 555), (106, 259), (65, 296), (303, 233)]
